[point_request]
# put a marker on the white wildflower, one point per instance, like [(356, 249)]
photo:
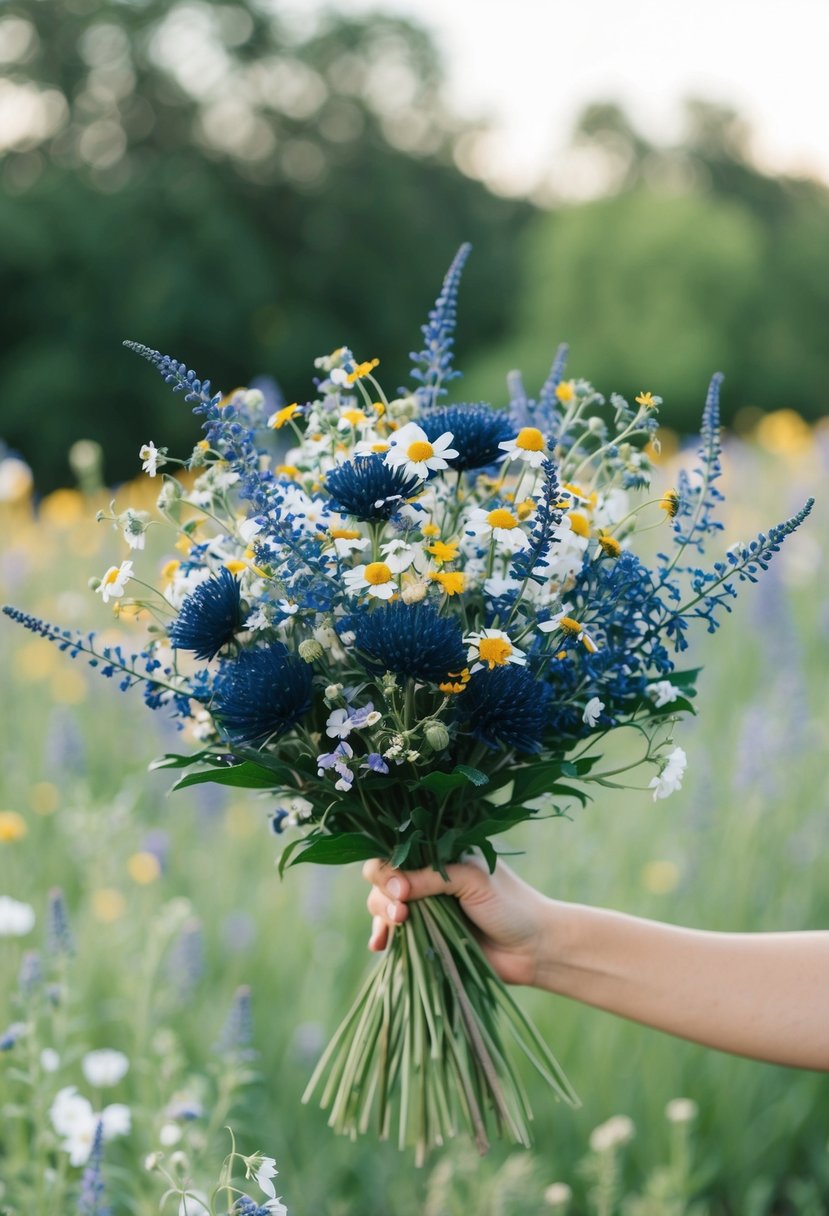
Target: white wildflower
[(592, 711), (114, 582), (105, 1067), (411, 449), (663, 692), (528, 446), (492, 648), (616, 1131), (558, 1195), (670, 778), (152, 457), (169, 1135), (49, 1060), (16, 918), (266, 1170), (681, 1110), (194, 1203)]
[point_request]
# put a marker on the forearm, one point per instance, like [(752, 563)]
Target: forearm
[(762, 995)]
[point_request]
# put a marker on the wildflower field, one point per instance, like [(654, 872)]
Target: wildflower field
[(155, 926)]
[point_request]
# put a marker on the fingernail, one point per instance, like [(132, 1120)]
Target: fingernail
[(395, 888), (391, 911)]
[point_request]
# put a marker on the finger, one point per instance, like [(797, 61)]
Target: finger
[(393, 882), (379, 936), (393, 912)]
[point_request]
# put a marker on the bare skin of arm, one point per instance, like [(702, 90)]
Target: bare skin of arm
[(763, 995)]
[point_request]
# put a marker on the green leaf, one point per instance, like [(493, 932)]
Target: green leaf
[(472, 774), (245, 776), (442, 783), (286, 853), (400, 854), (490, 856), (174, 760), (339, 850)]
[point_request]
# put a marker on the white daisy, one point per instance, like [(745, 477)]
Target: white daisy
[(411, 449), (114, 582), (492, 648), (501, 524), (528, 446), (379, 579), (152, 458)]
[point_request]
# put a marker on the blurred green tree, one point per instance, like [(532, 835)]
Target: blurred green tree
[(238, 190), (693, 261)]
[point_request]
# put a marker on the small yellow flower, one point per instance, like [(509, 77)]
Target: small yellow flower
[(235, 565), (576, 630), (457, 682), (430, 530), (443, 551), (203, 445), (278, 419), (379, 408), (108, 905), (579, 523), (344, 533), (354, 417), (362, 369), (12, 827), (566, 391), (143, 868), (501, 518), (609, 545), (288, 470), (670, 503), (169, 568), (646, 400), (452, 581), (525, 509)]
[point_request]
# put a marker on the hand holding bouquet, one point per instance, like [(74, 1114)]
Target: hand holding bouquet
[(410, 627)]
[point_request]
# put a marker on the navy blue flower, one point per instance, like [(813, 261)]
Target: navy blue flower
[(410, 640), (209, 617), (507, 707), (261, 694), (369, 489), (476, 432)]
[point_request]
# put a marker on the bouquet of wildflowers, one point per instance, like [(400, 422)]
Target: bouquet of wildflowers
[(413, 626)]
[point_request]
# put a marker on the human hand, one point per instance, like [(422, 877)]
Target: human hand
[(510, 918)]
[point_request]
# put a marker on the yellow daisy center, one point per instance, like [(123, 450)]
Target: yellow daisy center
[(169, 568), (111, 575), (235, 565), (610, 546), (565, 391), (344, 534), (670, 503), (377, 573), (501, 518), (354, 417), (420, 450), (530, 439), (495, 651), (526, 508), (569, 625), (579, 524), (379, 447)]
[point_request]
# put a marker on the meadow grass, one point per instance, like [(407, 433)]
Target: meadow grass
[(743, 846)]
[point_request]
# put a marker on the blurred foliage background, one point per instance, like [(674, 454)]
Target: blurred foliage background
[(246, 192)]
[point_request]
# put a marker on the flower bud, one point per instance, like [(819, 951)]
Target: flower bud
[(310, 651), (414, 593), (437, 736)]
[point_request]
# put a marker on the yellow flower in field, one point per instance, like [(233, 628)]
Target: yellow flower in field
[(579, 523), (670, 503), (661, 877), (457, 682), (12, 827), (430, 530), (452, 581), (443, 551), (609, 544), (648, 401), (280, 417), (362, 369), (144, 868), (108, 904), (566, 391), (44, 798)]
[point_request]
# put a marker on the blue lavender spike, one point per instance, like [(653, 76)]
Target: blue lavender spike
[(59, 939), (177, 374), (236, 1035), (90, 1200), (433, 365), (547, 396), (547, 519)]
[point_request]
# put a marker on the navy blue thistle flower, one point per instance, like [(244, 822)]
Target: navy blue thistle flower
[(506, 707), (261, 694), (209, 617), (410, 640), (369, 489), (476, 432)]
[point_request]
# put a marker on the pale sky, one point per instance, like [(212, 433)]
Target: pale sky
[(532, 64)]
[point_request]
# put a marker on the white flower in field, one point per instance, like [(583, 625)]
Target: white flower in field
[(592, 711), (377, 578), (152, 457), (616, 1131), (276, 1207), (501, 525), (670, 778), (49, 1060), (105, 1067), (114, 582), (265, 1171), (411, 449), (194, 1203), (117, 1120), (663, 692), (492, 648), (16, 918), (528, 445), (249, 528), (681, 1110), (169, 1135), (557, 1195)]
